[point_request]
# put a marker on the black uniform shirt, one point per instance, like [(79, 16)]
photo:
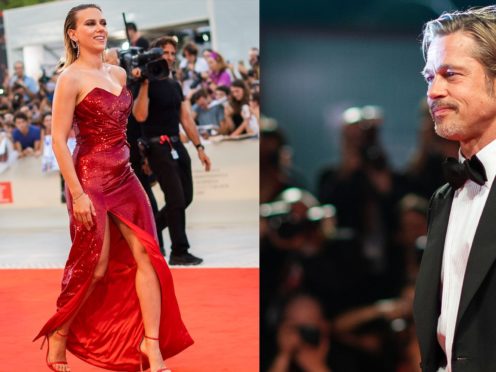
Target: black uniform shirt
[(166, 97)]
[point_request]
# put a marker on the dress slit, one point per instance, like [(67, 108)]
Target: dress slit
[(108, 326)]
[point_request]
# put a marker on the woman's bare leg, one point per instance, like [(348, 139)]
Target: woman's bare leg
[(148, 290), (58, 342)]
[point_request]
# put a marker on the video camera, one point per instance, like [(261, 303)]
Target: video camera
[(151, 63)]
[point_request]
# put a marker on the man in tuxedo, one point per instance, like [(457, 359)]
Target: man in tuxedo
[(455, 301)]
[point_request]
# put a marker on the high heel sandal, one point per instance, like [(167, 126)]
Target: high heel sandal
[(142, 353), (51, 364)]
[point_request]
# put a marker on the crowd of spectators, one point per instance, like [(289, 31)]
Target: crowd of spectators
[(338, 265), (224, 100)]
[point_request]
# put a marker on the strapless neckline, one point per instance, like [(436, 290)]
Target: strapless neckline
[(102, 89)]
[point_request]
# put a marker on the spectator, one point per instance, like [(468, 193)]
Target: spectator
[(46, 124), (111, 56), (26, 136), (222, 94), (253, 59), (193, 68), (206, 116), (47, 91), (7, 153), (135, 36), (218, 71), (238, 115), (255, 105), (48, 161), (23, 84), (206, 53)]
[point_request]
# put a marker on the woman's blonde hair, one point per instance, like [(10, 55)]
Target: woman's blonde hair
[(71, 53)]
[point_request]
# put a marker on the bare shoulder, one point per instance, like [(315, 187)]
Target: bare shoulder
[(119, 73), (69, 75), (69, 81)]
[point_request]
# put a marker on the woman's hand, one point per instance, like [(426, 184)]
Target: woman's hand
[(83, 210)]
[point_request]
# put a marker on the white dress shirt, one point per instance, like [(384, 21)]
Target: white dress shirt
[(466, 210)]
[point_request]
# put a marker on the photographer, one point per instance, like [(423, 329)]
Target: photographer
[(193, 68), (365, 190), (23, 84), (160, 106), (302, 338)]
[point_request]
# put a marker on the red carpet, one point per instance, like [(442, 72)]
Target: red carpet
[(219, 307)]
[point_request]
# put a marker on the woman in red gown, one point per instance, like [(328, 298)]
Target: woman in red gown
[(117, 300)]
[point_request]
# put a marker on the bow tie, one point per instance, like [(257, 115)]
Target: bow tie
[(457, 173)]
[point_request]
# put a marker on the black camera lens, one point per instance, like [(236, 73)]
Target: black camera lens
[(310, 335)]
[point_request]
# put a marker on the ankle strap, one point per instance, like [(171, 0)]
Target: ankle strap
[(152, 338), (61, 334)]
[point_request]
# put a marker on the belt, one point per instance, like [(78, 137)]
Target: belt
[(160, 139)]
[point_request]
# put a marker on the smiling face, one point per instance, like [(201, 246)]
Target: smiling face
[(461, 97), (237, 93), (169, 54), (91, 30)]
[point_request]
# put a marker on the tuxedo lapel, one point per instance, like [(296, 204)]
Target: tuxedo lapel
[(427, 294), (482, 253)]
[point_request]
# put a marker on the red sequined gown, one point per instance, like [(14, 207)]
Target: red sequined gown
[(108, 326)]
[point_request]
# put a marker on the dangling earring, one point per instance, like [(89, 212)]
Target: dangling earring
[(75, 45)]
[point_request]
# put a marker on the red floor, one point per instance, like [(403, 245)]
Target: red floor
[(219, 307)]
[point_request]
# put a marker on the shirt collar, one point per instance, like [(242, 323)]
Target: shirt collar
[(487, 156)]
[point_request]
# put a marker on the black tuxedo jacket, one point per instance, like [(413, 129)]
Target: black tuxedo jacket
[(474, 345)]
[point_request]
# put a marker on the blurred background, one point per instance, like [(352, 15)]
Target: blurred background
[(349, 160)]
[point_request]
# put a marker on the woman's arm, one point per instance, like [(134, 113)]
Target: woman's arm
[(229, 123), (244, 127), (241, 129), (64, 102)]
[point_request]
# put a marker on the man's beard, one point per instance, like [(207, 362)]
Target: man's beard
[(448, 130)]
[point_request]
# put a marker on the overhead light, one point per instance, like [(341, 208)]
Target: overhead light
[(205, 37)]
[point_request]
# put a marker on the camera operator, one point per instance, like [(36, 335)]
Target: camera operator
[(134, 132), (160, 106)]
